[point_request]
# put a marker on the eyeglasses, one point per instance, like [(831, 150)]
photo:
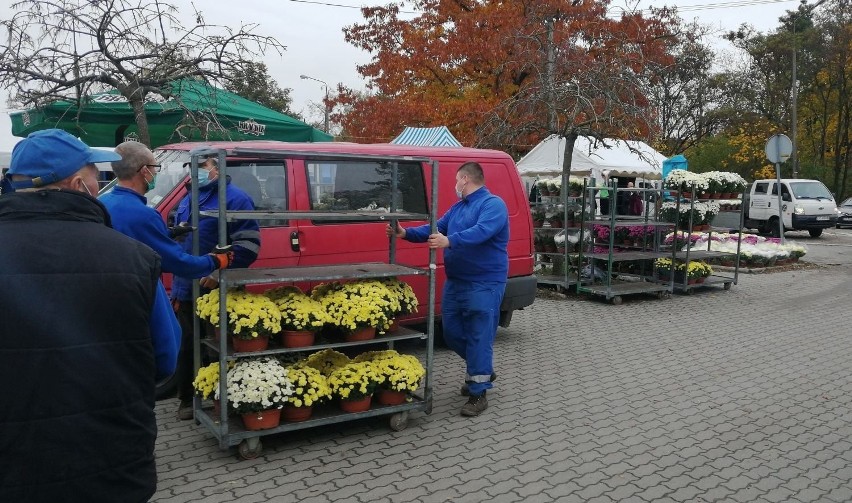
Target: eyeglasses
[(157, 167)]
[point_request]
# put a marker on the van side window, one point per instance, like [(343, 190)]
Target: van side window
[(760, 187), (363, 185), (265, 183)]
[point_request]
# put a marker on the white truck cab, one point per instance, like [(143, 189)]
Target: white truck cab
[(805, 204)]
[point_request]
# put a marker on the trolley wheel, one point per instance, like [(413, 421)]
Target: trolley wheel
[(727, 285), (616, 301), (399, 421), (663, 295), (250, 448), (688, 291)]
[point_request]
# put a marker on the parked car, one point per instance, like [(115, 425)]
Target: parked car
[(844, 213)]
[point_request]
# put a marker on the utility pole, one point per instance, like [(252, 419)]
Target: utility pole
[(548, 71), (794, 159), (324, 103)]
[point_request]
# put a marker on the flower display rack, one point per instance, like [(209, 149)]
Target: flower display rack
[(230, 432), (556, 215), (618, 258), (700, 249)]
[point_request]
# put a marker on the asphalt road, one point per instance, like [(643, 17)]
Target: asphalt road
[(834, 247)]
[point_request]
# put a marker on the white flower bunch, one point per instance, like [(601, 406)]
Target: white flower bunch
[(258, 384), (679, 179)]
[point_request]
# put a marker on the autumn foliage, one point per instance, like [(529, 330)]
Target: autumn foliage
[(462, 63)]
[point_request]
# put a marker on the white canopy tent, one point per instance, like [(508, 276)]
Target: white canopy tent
[(620, 158)]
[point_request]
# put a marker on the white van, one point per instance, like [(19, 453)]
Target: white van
[(806, 205)]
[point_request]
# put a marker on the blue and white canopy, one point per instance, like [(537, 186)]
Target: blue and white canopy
[(427, 137)]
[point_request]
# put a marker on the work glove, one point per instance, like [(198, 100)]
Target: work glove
[(223, 256), (179, 232)]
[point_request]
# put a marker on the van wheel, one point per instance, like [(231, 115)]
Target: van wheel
[(167, 387), (815, 233), (772, 228)]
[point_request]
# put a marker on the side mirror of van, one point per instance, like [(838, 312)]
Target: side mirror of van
[(786, 197)]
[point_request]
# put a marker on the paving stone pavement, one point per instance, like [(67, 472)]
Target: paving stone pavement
[(742, 395)]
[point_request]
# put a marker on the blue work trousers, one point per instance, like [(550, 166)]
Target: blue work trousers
[(470, 314)]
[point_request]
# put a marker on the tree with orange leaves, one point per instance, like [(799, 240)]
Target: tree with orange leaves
[(506, 74)]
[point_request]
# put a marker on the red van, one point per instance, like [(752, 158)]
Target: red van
[(290, 176)]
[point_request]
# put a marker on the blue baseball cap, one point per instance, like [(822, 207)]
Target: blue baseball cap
[(51, 155)]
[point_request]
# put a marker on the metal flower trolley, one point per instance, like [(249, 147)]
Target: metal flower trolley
[(690, 252), (604, 257), (231, 433)]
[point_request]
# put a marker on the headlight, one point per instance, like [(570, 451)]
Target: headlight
[(799, 210)]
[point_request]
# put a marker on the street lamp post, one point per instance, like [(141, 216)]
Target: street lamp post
[(325, 102)]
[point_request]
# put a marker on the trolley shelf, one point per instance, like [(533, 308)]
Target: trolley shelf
[(402, 333), (321, 416), (703, 254), (554, 280), (628, 255), (628, 220), (623, 288), (355, 215), (318, 273)]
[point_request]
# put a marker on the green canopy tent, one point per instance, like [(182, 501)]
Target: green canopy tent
[(193, 111)]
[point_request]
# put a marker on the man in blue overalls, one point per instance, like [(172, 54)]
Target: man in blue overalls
[(474, 234)]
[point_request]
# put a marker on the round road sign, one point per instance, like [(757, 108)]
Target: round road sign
[(778, 148)]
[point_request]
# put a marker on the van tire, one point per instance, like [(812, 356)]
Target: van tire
[(772, 227), (167, 388), (815, 233)]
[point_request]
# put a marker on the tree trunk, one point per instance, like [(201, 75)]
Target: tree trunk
[(138, 104)]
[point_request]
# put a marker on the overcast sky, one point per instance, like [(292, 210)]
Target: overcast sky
[(312, 32)]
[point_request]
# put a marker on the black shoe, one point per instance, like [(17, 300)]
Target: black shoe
[(184, 412), (465, 389), (475, 405)]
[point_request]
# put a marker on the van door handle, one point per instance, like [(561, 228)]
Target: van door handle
[(294, 241)]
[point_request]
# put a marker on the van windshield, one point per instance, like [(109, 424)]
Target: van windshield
[(810, 190)]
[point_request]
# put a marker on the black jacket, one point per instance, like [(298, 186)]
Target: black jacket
[(76, 359)]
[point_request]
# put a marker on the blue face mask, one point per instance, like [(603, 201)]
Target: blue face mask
[(203, 177)]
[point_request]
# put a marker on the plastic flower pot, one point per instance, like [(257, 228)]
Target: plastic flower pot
[(361, 334), (250, 345), (390, 397), (263, 420), (297, 338), (292, 414), (356, 405)]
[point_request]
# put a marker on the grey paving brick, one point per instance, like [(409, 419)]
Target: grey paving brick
[(708, 414)]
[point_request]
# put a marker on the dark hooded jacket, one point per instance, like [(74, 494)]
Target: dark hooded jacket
[(76, 359)]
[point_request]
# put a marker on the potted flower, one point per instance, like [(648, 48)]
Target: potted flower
[(543, 187), (408, 302), (354, 384), (575, 187), (310, 387), (357, 308), (538, 216), (258, 389), (326, 361), (555, 185), (398, 374), (252, 318), (557, 219), (206, 385), (301, 316)]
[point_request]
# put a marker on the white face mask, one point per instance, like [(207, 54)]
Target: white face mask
[(87, 188), (460, 190)]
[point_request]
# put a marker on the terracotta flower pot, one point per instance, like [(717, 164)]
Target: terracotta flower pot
[(390, 397), (263, 420), (297, 338), (292, 414), (250, 345), (394, 326), (361, 334), (357, 405)]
